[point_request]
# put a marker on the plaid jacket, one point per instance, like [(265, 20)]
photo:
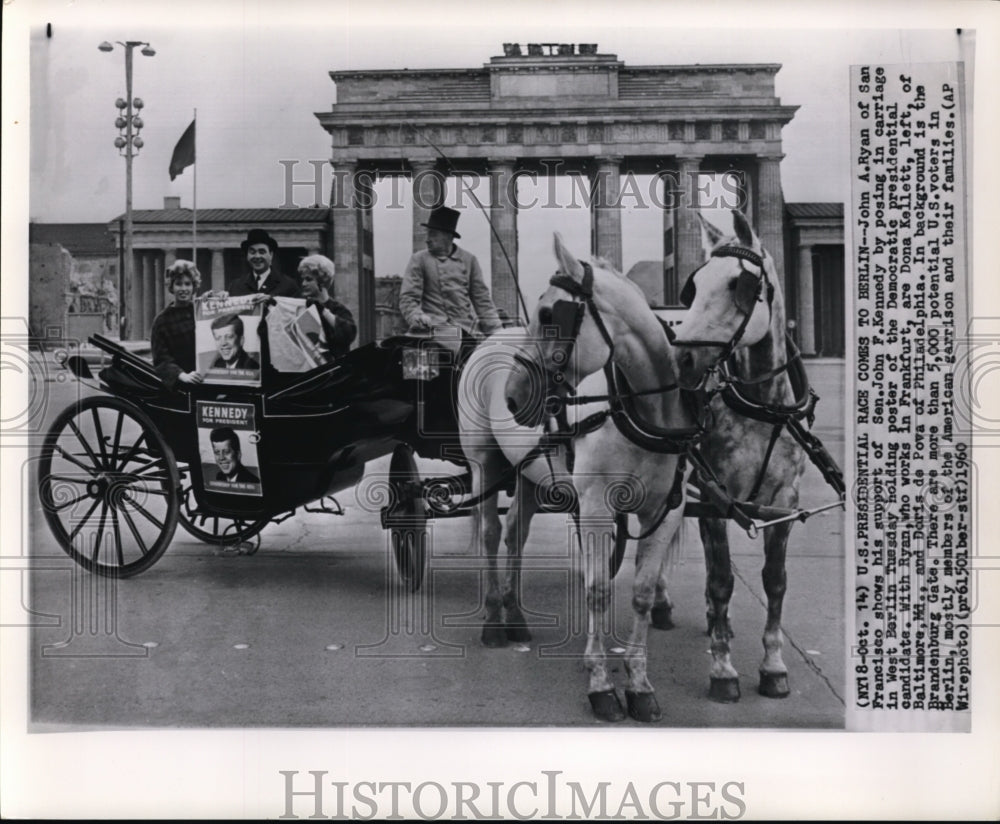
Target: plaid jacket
[(172, 342)]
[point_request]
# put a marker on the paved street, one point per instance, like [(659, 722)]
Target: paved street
[(312, 631)]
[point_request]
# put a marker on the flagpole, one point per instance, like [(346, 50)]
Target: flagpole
[(194, 211)]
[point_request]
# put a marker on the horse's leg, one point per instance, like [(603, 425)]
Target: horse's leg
[(597, 540), (486, 541), (725, 684), (650, 563), (522, 509), (773, 672), (661, 615)]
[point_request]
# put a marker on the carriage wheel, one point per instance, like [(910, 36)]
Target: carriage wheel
[(108, 484), (213, 529), (408, 519), (621, 544)]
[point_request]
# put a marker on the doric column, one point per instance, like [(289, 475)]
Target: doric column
[(136, 330), (160, 281), (351, 233), (607, 214), (806, 316), (428, 193), (148, 293), (771, 211), (345, 253), (170, 257), (218, 273), (688, 251), (503, 244)]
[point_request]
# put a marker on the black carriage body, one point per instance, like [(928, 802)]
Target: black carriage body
[(315, 431)]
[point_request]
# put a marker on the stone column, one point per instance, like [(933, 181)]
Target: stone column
[(136, 330), (806, 313), (503, 214), (148, 293), (607, 214), (218, 273), (160, 281), (346, 253), (365, 318), (771, 212), (428, 193), (688, 251), (353, 285), (170, 257)]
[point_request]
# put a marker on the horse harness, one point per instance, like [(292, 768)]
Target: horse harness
[(782, 416), (749, 291), (567, 318)]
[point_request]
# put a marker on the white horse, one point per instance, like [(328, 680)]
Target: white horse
[(591, 318), (737, 319)]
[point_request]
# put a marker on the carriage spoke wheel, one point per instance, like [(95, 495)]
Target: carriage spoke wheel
[(108, 485), (408, 519), (215, 529)]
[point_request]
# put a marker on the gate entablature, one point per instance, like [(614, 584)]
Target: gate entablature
[(569, 102)]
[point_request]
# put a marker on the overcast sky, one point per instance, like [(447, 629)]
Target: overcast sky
[(257, 73)]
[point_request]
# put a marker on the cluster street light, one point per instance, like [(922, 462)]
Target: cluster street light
[(128, 143)]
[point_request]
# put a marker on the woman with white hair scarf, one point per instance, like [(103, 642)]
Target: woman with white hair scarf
[(172, 337), (316, 276)]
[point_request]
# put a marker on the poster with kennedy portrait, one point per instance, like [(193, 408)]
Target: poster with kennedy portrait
[(227, 342), (227, 448)]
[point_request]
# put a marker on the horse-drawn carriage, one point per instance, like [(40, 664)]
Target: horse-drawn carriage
[(120, 470)]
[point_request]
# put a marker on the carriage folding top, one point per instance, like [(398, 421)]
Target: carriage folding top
[(121, 469)]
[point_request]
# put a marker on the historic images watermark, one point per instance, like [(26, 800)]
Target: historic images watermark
[(548, 796), (667, 190)]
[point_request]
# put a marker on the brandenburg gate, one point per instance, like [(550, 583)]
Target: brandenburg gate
[(543, 103)]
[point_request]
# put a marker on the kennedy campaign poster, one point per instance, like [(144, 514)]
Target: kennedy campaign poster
[(227, 342), (228, 448)]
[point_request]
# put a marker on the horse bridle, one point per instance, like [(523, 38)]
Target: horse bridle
[(567, 318), (749, 292)]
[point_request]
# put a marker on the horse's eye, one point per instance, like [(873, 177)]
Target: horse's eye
[(545, 316), (733, 283)]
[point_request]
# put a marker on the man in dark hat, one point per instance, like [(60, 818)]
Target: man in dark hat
[(443, 285), (260, 249)]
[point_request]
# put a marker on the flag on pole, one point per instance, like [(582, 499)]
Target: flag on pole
[(183, 152)]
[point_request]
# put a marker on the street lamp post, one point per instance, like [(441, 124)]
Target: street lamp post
[(130, 143)]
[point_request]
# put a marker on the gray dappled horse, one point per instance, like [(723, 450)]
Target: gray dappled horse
[(737, 317)]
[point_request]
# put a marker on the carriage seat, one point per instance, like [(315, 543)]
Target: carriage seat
[(385, 412)]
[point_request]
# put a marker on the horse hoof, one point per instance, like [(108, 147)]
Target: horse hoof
[(518, 633), (606, 705), (642, 706), (773, 685), (494, 635), (725, 690), (660, 618)]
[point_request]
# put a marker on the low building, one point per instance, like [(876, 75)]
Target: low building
[(161, 236)]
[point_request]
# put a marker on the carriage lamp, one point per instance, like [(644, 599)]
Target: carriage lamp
[(128, 142)]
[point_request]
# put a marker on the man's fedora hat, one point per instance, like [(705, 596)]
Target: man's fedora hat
[(443, 219), (255, 236)]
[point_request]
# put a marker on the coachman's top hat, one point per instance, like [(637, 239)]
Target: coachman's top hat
[(443, 219), (255, 236)]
